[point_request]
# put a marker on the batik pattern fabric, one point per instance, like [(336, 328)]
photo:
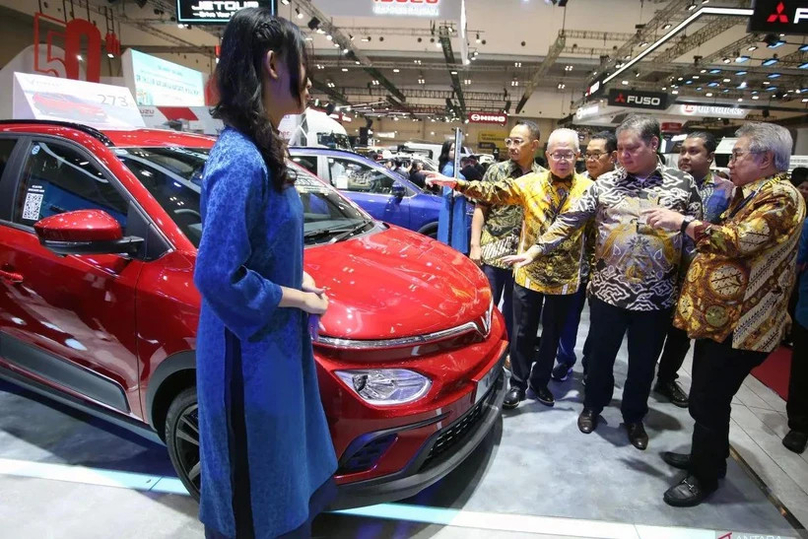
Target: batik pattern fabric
[(740, 281), (503, 222), (542, 198), (252, 245), (636, 266), (716, 194)]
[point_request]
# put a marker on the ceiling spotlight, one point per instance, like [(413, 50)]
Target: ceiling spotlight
[(714, 71), (329, 37), (625, 83), (421, 81), (396, 70), (691, 7), (417, 62), (770, 61), (675, 92), (740, 99), (741, 59), (667, 26), (454, 72), (804, 48), (437, 44), (766, 83), (774, 75), (751, 48), (664, 88), (467, 82), (285, 2), (771, 89), (350, 37), (345, 50), (709, 94), (314, 23), (320, 66), (517, 64), (755, 97), (336, 45), (644, 44), (568, 68), (726, 60), (713, 84), (696, 77), (298, 13), (727, 80), (804, 66), (365, 39), (478, 38), (741, 73), (358, 62), (344, 69)]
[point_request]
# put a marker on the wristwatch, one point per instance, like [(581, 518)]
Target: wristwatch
[(685, 223)]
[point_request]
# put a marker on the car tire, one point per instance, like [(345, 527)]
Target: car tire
[(182, 439)]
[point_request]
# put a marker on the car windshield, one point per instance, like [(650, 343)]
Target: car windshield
[(173, 176), (335, 141)]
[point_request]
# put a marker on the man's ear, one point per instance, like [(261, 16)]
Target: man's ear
[(271, 64), (711, 157)]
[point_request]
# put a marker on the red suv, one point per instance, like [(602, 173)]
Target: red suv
[(98, 236)]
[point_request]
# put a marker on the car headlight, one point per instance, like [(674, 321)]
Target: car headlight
[(386, 387)]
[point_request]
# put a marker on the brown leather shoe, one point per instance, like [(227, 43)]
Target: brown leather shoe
[(637, 435)]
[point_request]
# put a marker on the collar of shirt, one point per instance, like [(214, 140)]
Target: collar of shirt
[(555, 179), (757, 185), (516, 170), (707, 180), (623, 174)]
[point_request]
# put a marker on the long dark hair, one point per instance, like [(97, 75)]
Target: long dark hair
[(249, 35), (444, 154)]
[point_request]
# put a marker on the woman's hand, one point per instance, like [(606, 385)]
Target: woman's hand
[(663, 218), (436, 178), (309, 285), (315, 303)]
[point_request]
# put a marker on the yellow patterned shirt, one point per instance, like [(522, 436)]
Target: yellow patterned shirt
[(542, 198), (740, 281)]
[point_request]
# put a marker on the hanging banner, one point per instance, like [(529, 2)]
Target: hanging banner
[(434, 9), (215, 11)]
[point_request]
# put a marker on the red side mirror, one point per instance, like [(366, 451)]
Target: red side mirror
[(85, 232), (79, 226)]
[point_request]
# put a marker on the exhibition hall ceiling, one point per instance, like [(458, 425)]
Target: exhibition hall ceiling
[(526, 56)]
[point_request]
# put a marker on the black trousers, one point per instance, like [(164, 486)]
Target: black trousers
[(677, 343), (797, 407), (718, 372), (528, 308), (501, 281), (646, 332)]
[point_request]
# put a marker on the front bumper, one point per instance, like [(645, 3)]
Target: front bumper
[(439, 455)]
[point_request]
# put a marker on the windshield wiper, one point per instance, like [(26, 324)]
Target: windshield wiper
[(339, 233)]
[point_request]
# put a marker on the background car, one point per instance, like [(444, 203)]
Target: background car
[(384, 194), (98, 237)]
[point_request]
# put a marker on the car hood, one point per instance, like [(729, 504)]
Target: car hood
[(395, 283)]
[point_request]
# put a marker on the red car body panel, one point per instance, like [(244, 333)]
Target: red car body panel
[(129, 316)]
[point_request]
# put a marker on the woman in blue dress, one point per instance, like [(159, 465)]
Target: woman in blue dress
[(454, 223), (266, 455)]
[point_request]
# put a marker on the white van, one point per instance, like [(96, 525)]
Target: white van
[(314, 128)]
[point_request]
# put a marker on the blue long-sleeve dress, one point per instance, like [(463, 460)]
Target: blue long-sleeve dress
[(454, 215), (260, 412)]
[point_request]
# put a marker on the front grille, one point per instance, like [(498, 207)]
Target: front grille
[(459, 430), (367, 456)]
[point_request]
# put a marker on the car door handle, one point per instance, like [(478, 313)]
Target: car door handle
[(12, 277)]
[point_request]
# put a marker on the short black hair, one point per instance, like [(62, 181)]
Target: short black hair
[(532, 127), (708, 138), (799, 175), (608, 136), (647, 127)]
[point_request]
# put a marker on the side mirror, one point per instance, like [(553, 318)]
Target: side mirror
[(398, 190), (85, 232)]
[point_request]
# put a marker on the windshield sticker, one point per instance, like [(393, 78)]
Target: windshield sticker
[(33, 203), (35, 149)]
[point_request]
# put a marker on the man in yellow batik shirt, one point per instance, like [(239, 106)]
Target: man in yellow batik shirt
[(545, 289), (735, 296)]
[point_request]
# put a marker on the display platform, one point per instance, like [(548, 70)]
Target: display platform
[(536, 475)]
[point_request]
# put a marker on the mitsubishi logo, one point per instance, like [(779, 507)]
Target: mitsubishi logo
[(620, 98), (779, 16)]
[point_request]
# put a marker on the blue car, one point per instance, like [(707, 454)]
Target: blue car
[(382, 193)]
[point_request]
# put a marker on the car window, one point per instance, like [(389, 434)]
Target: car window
[(6, 147), (307, 162), (358, 177), (58, 179)]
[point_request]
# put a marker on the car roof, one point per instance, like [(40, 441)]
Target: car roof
[(114, 137), (325, 151)]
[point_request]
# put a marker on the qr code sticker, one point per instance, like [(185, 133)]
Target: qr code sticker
[(33, 203)]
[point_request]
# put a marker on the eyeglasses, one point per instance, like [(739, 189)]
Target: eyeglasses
[(516, 141), (737, 154), (594, 155), (563, 156)]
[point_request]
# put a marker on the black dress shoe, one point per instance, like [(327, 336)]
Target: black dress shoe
[(514, 396), (683, 462), (796, 441), (637, 435), (542, 395), (688, 493), (673, 391), (587, 421)]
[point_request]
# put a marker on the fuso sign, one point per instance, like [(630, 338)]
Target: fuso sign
[(637, 99), (488, 118)]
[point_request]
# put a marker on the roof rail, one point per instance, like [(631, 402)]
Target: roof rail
[(92, 131)]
